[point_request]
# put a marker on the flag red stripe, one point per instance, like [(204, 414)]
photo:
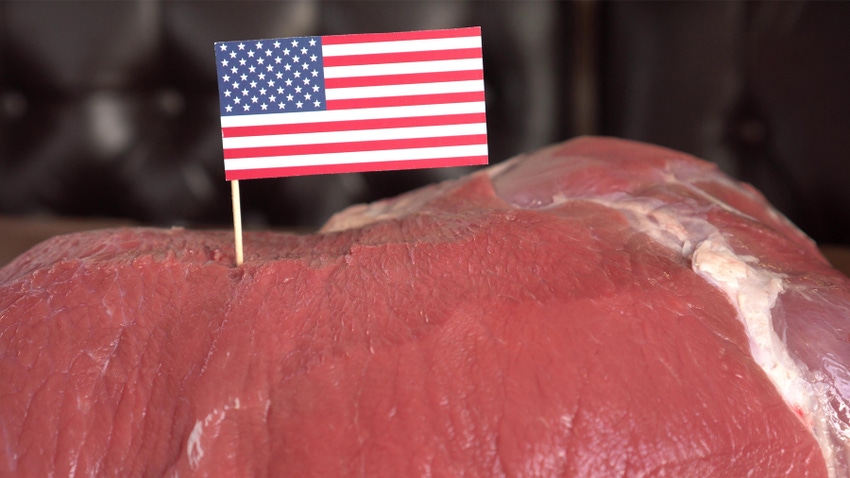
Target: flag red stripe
[(396, 36), (354, 167), (322, 127), (435, 99), (356, 146), (402, 57), (404, 79)]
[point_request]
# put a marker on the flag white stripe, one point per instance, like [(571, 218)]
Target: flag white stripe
[(355, 157), (353, 114), (403, 68), (404, 90), (401, 46), (354, 136)]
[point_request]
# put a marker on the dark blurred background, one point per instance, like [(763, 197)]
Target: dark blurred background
[(109, 109)]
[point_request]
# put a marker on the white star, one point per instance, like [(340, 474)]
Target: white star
[(307, 96), (272, 98), (297, 74), (227, 93), (281, 105), (254, 99), (299, 104), (278, 59), (260, 61), (289, 97), (223, 62), (244, 77), (298, 89), (270, 83), (294, 43), (289, 82), (287, 67), (235, 85), (223, 47), (261, 76), (286, 51), (303, 51), (305, 66), (252, 68), (314, 73), (233, 54), (262, 91), (277, 44), (259, 45), (296, 58), (246, 107), (236, 101), (268, 53), (244, 92), (270, 68), (280, 90), (242, 61), (241, 46), (278, 75), (312, 57), (228, 108), (264, 106), (312, 42), (251, 54), (234, 70), (253, 84), (306, 81), (315, 88), (225, 78), (317, 103)]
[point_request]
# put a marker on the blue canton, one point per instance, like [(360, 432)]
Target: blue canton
[(281, 75)]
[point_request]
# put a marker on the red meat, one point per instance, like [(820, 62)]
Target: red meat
[(596, 308)]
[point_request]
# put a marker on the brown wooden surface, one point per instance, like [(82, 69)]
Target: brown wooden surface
[(839, 257), (19, 234)]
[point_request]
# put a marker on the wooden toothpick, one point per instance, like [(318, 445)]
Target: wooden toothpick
[(237, 221)]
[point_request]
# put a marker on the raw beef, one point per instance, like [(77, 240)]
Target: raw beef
[(596, 308)]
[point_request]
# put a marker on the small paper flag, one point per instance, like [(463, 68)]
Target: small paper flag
[(350, 103)]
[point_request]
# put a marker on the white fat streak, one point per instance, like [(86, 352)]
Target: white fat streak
[(194, 445), (751, 290), (194, 449)]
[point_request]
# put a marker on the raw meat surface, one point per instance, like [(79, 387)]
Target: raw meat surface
[(596, 308)]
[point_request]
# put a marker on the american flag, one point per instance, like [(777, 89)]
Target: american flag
[(349, 103)]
